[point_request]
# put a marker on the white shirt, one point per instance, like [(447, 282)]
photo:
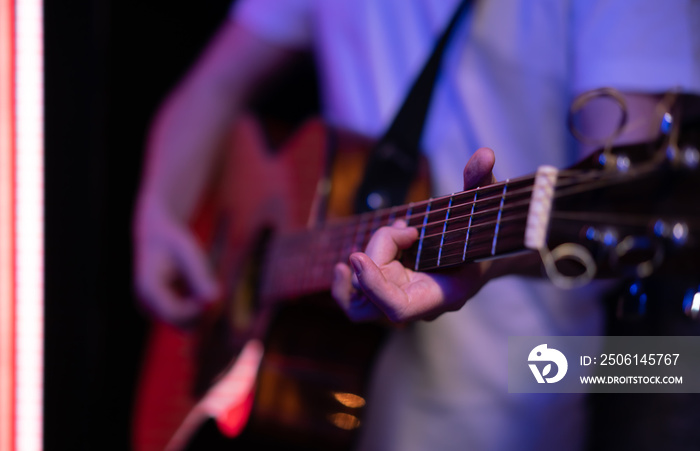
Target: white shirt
[(508, 76)]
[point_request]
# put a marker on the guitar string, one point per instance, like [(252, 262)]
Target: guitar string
[(570, 176), (333, 255), (477, 232), (365, 236), (619, 218), (342, 234), (482, 243), (348, 230), (496, 198), (321, 272), (605, 180), (557, 195), (378, 216), (417, 205), (349, 226), (353, 221), (319, 276), (480, 240), (481, 252)]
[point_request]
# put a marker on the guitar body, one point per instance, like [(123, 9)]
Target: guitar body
[(630, 211), (310, 387)]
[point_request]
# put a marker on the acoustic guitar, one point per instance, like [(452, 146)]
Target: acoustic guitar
[(275, 359)]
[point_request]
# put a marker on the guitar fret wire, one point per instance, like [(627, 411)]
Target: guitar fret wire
[(529, 178), (498, 219), (562, 182), (444, 228), (475, 228), (575, 183), (422, 234), (392, 215), (342, 231), (469, 226), (526, 190), (477, 231), (507, 209), (477, 251), (409, 215), (480, 247), (359, 237), (454, 219), (375, 220), (467, 193), (476, 239), (476, 244), (343, 228)]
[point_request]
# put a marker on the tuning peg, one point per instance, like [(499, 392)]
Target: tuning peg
[(691, 157), (632, 301), (675, 232), (666, 123), (691, 303)]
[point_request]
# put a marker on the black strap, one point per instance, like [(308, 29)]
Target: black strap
[(393, 162)]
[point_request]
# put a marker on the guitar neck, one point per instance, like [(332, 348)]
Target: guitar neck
[(468, 226)]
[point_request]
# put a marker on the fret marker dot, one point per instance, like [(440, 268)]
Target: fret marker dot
[(375, 201)]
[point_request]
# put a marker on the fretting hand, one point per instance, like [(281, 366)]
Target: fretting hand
[(378, 285)]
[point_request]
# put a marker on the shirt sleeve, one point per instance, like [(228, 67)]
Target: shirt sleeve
[(284, 22), (640, 45)]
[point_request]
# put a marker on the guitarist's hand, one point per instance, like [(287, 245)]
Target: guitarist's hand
[(185, 146), (173, 279), (379, 286)]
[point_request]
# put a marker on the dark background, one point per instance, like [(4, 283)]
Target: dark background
[(108, 64)]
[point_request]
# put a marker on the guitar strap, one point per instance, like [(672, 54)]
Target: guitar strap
[(393, 162)]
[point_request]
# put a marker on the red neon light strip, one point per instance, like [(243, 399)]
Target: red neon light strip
[(7, 224)]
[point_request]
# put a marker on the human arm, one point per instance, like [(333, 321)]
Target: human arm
[(378, 285), (184, 145)]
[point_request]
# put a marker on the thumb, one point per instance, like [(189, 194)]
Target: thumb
[(386, 296), (194, 265), (478, 171)]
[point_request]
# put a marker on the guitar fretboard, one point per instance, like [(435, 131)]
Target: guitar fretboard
[(463, 227)]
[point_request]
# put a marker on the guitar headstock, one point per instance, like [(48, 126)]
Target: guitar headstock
[(632, 210)]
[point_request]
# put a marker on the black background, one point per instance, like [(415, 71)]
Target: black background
[(108, 64)]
